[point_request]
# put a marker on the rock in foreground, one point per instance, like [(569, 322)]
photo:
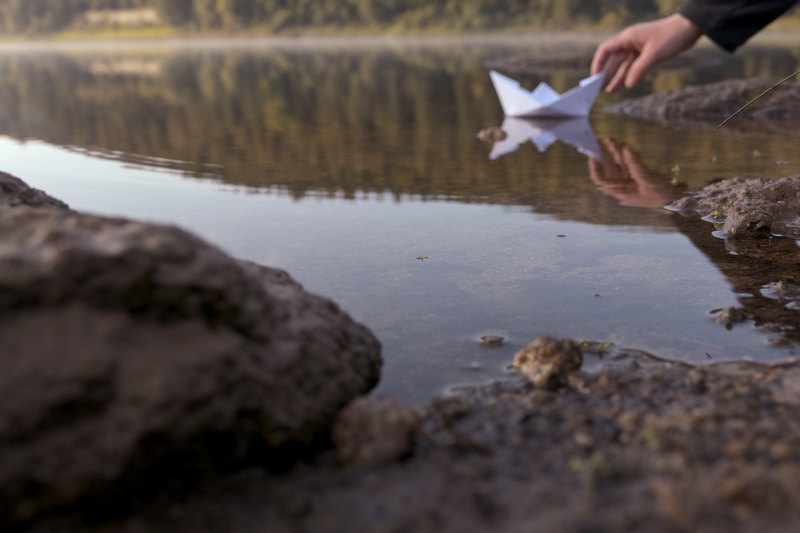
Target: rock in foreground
[(547, 362), (137, 360)]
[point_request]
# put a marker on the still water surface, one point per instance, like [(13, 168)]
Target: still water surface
[(358, 170)]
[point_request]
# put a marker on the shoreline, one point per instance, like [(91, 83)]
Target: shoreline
[(300, 41), (102, 44)]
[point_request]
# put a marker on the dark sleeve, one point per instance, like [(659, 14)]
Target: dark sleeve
[(729, 23)]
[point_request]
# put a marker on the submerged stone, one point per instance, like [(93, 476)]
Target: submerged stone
[(492, 341), (730, 316), (492, 135)]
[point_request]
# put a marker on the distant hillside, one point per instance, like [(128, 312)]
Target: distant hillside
[(393, 16), (48, 16)]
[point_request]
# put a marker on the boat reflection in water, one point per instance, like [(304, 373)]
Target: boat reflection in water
[(575, 131)]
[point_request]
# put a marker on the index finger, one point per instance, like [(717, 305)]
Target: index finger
[(600, 58), (605, 51)]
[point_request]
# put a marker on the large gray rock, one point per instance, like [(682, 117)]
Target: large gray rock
[(15, 192), (137, 358)]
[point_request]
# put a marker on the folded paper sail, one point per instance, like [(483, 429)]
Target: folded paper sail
[(544, 101), (574, 131)]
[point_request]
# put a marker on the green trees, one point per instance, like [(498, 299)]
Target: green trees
[(45, 16), (17, 16), (39, 16), (175, 12), (455, 14)]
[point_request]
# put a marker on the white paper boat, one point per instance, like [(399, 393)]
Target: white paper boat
[(544, 101), (574, 131)]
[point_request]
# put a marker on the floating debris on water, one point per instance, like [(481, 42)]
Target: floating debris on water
[(492, 341), (492, 135)]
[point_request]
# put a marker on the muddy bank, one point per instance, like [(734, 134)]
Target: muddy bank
[(641, 444), (706, 106)]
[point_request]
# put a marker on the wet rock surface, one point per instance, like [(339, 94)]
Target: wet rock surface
[(139, 360), (750, 207), (375, 430), (641, 444), (706, 106), (492, 134), (729, 316), (15, 192), (547, 362), (492, 341)]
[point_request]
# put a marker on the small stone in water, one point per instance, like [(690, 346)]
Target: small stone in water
[(492, 341), (547, 361), (493, 134)]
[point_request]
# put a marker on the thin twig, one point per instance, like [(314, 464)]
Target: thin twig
[(745, 106)]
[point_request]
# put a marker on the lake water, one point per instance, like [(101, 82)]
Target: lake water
[(356, 167)]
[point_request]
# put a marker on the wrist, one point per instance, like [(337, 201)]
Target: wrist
[(684, 27)]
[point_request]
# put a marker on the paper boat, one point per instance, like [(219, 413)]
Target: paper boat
[(544, 101), (574, 131)]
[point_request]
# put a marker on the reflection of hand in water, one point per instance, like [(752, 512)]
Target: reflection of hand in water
[(622, 174)]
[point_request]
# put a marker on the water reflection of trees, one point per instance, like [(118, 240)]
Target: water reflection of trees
[(337, 121), (396, 122), (388, 120)]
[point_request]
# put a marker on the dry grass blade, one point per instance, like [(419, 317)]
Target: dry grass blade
[(745, 106)]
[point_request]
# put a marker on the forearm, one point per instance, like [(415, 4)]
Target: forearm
[(730, 23)]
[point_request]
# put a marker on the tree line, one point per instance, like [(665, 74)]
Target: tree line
[(42, 16)]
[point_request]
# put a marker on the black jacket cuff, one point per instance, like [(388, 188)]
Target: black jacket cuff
[(729, 23)]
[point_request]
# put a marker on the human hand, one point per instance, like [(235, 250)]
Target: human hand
[(622, 174), (628, 56)]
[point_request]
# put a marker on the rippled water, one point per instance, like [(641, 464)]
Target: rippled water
[(357, 169)]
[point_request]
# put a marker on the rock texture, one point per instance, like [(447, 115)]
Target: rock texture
[(492, 135), (15, 192), (138, 359), (750, 207), (706, 106), (639, 445), (547, 361), (372, 431)]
